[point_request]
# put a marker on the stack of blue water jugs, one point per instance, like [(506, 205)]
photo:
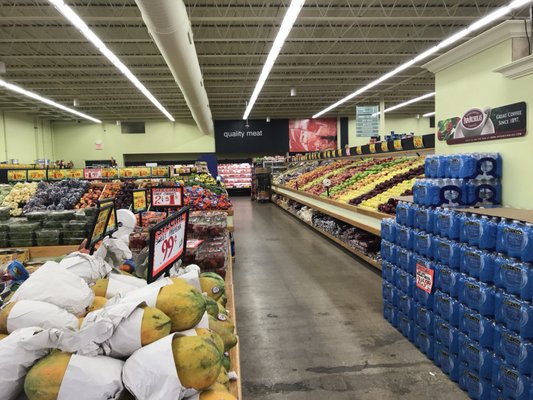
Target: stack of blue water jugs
[(471, 179), (476, 324)]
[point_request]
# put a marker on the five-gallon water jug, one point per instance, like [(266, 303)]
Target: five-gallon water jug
[(515, 314), (447, 224), (388, 251), (513, 384), (388, 230), (423, 243), (390, 313), (477, 295), (448, 280), (390, 293), (447, 308), (388, 271), (478, 264), (424, 319), (406, 305), (476, 326), (406, 326), (447, 335), (515, 276), (478, 358), (404, 237), (447, 361), (424, 342), (447, 252), (515, 351), (404, 259)]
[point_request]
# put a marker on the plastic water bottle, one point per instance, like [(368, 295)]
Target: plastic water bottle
[(423, 243), (424, 219), (388, 251), (447, 335), (515, 314), (513, 384), (388, 271), (478, 359), (388, 229), (515, 276), (406, 326), (390, 313), (489, 166), (447, 252), (448, 280), (455, 166), (478, 264), (447, 308), (404, 214), (406, 305), (424, 319), (476, 326), (476, 386), (431, 166), (517, 240), (424, 342), (477, 295), (404, 237), (447, 223), (405, 282), (403, 260), (447, 361), (420, 191), (515, 351), (483, 193), (390, 293)]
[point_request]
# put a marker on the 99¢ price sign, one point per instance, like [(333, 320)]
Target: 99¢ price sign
[(167, 244), (167, 197)]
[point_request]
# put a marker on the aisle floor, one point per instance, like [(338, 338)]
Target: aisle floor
[(310, 319)]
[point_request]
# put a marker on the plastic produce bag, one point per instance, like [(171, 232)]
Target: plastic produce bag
[(121, 284), (16, 359), (148, 294), (113, 251), (87, 267), (31, 313), (58, 286)]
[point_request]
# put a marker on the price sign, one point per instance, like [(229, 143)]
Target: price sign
[(372, 147), (398, 145), (167, 244), (160, 172), (326, 182), (36, 175), (17, 175), (112, 223), (101, 220), (75, 173), (359, 150), (92, 173), (57, 174), (384, 147), (167, 197), (110, 173), (424, 278), (139, 201), (418, 142)]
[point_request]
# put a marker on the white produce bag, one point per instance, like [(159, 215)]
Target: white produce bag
[(147, 293), (191, 274), (31, 313), (56, 285), (113, 251), (16, 359), (150, 373), (87, 267), (91, 378), (121, 284)]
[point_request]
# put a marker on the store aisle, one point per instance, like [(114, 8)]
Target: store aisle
[(310, 319)]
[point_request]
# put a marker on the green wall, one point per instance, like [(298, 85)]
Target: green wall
[(471, 83), (25, 138), (397, 124), (77, 142)]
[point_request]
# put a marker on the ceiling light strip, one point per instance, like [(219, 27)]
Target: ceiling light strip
[(95, 40), (284, 30), (35, 96), (406, 103), (429, 114), (493, 16)]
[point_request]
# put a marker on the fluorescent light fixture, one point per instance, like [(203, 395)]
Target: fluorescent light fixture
[(406, 103), (486, 20), (430, 114), (35, 96), (95, 40), (284, 30)]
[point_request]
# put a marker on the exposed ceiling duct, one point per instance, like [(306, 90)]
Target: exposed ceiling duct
[(170, 27)]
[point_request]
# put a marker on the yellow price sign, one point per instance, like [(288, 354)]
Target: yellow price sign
[(418, 142), (36, 175), (384, 147), (160, 172), (359, 150), (57, 174), (99, 229), (75, 173), (140, 201), (17, 175), (372, 147), (398, 145)]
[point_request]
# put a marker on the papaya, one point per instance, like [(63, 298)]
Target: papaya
[(197, 361), (226, 362), (212, 307), (80, 322), (222, 309), (98, 302), (223, 300), (223, 378), (184, 305), (216, 395), (230, 340), (212, 337), (212, 284), (226, 322), (218, 387), (4, 313), (3, 336), (100, 287), (43, 381), (154, 326)]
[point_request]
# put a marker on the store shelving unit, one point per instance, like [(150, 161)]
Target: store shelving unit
[(236, 175), (234, 353)]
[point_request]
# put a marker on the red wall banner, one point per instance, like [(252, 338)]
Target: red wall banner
[(312, 134)]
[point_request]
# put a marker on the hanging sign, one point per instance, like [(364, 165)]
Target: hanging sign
[(398, 145), (167, 197), (372, 147), (17, 175), (167, 244), (92, 173), (384, 147), (482, 124), (36, 175), (366, 124), (424, 278), (101, 220)]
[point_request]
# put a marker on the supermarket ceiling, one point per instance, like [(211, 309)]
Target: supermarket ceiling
[(334, 48)]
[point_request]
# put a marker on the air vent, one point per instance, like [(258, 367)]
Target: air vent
[(132, 127)]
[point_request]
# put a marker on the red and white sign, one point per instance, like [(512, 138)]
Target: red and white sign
[(167, 197), (92, 173), (169, 243), (424, 278)]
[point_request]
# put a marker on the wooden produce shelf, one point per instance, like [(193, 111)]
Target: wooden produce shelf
[(364, 219), (50, 251), (355, 252), (234, 353)]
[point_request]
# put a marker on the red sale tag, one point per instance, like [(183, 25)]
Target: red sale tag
[(424, 278)]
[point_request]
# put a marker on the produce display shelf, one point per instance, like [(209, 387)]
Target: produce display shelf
[(350, 214), (50, 251), (234, 353), (355, 252)]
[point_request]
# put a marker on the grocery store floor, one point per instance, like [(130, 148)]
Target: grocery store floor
[(310, 320)]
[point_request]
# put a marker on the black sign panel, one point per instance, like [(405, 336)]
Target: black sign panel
[(254, 136)]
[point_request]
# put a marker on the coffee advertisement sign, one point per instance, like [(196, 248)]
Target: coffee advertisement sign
[(482, 124)]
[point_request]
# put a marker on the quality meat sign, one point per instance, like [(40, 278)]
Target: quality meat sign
[(167, 244), (252, 136)]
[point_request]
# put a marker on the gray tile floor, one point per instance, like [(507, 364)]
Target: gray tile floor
[(310, 319)]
